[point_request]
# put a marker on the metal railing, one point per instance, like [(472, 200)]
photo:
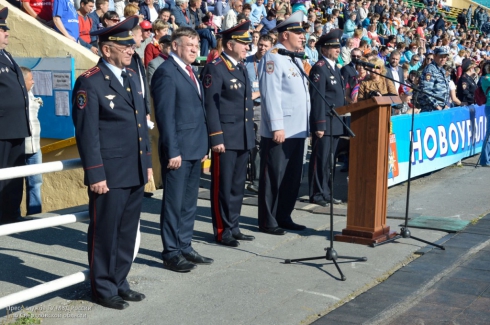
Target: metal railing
[(5, 230)]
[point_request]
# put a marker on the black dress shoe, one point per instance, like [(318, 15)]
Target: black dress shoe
[(131, 295), (114, 302), (229, 241), (292, 226), (241, 236), (322, 203), (273, 231), (196, 258), (179, 264), (334, 200), (253, 188)]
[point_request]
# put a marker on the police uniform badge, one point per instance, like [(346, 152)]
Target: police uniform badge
[(428, 76), (269, 67), (316, 77), (207, 81), (81, 99)]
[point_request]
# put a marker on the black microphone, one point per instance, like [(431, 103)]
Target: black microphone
[(365, 64), (300, 55)]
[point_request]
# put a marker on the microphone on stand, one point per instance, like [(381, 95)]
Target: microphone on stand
[(300, 55), (365, 64)]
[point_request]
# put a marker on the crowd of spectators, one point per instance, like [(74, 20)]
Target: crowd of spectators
[(380, 30)]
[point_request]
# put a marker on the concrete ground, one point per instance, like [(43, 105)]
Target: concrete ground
[(245, 285)]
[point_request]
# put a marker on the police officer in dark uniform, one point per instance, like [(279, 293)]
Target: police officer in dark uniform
[(14, 126), (465, 90), (229, 112), (112, 139), (326, 76)]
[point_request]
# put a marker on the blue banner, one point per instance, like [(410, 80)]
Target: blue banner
[(441, 138)]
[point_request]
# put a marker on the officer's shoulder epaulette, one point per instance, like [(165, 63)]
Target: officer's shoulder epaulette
[(90, 72), (130, 70), (217, 61), (320, 63), (275, 50)]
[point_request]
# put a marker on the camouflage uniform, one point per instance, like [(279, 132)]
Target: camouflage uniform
[(433, 81)]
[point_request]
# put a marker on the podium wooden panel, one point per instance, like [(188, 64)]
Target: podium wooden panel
[(368, 171)]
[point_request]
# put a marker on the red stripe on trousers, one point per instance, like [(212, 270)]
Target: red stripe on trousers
[(217, 211)]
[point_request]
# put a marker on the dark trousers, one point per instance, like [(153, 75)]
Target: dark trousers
[(179, 207), (280, 177), (111, 236), (319, 168), (254, 153), (208, 41), (228, 175), (12, 154)]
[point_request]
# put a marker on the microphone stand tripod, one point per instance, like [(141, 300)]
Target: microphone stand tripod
[(331, 254), (404, 231)]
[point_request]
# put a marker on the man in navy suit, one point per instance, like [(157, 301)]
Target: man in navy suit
[(112, 138), (181, 119), (229, 109), (14, 126)]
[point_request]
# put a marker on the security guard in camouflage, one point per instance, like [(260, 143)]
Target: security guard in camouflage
[(434, 81)]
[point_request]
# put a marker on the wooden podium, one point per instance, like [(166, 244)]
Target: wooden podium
[(368, 171)]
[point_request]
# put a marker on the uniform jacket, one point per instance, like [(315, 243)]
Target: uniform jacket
[(433, 81), (330, 83), (137, 65), (179, 113), (285, 99), (465, 90), (14, 109), (229, 105), (110, 128)]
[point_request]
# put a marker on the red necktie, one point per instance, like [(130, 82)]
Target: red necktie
[(193, 78), (186, 18)]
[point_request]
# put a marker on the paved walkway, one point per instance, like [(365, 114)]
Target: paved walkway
[(449, 286), (251, 284)]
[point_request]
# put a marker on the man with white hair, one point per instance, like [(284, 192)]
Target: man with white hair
[(230, 19)]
